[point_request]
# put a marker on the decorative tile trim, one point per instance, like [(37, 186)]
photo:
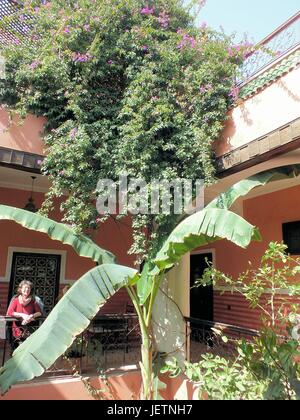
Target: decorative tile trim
[(269, 76), (280, 138), (20, 160)]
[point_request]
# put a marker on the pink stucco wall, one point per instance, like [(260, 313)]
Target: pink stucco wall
[(24, 137), (14, 235), (267, 212), (271, 108), (119, 386), (113, 236)]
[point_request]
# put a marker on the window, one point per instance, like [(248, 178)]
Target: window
[(291, 237)]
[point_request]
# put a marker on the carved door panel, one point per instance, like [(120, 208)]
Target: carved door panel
[(43, 270)]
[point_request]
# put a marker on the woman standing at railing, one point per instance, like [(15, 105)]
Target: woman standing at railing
[(24, 307)]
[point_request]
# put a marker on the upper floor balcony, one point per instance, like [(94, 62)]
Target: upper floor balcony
[(280, 43), (266, 116)]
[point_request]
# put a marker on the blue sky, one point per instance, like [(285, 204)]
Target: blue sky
[(258, 18)]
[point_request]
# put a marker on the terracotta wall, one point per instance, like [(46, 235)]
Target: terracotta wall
[(268, 212), (119, 386), (113, 236), (25, 137), (271, 108), (233, 309)]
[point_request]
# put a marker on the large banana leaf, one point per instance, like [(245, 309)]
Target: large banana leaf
[(242, 188), (83, 245), (201, 228), (70, 317), (206, 226)]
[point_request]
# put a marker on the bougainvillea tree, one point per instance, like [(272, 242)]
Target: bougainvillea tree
[(127, 87)]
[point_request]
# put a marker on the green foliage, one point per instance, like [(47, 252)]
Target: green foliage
[(218, 378), (202, 228), (126, 87), (272, 358)]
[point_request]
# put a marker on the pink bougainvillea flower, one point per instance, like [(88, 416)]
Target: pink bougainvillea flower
[(147, 10), (234, 93), (73, 132), (187, 41), (163, 19), (230, 52), (46, 3), (34, 64), (34, 38), (81, 58)]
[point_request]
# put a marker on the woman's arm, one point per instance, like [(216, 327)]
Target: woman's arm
[(19, 315), (11, 311), (36, 315)]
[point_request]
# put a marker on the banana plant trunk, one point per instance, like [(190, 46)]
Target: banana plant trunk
[(146, 366), (144, 313)]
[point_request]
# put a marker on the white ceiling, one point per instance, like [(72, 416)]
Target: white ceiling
[(21, 180)]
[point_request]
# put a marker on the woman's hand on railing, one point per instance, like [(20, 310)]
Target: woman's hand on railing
[(27, 319)]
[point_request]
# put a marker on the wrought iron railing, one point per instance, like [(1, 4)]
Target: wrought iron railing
[(286, 38), (207, 336), (110, 341)]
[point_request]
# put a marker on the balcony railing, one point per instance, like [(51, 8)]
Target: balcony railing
[(283, 40), (110, 341), (113, 341), (208, 337)]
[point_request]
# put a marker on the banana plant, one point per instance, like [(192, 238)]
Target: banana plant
[(73, 313)]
